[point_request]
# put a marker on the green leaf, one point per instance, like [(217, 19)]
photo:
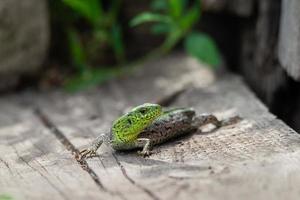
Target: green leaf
[(76, 51), (117, 43), (160, 28), (191, 17), (202, 47), (149, 17), (89, 9), (159, 5), (171, 40), (176, 8)]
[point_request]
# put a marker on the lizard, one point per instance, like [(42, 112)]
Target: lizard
[(147, 125)]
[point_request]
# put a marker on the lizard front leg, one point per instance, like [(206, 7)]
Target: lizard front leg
[(93, 147), (144, 143)]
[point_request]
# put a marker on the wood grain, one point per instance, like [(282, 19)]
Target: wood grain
[(259, 56), (34, 164), (257, 158), (289, 50)]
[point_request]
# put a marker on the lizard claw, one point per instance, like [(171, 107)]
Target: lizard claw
[(87, 153), (146, 153)]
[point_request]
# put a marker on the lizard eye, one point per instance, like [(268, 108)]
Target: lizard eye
[(143, 111)]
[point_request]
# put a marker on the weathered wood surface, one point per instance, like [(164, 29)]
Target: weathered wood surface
[(257, 158), (289, 42), (33, 164), (259, 60)]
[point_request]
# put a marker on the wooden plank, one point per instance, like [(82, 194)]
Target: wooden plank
[(66, 110), (256, 158), (289, 42), (259, 57), (33, 164)]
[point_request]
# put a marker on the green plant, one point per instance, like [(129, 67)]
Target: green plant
[(175, 19), (105, 28), (94, 35), (86, 46), (202, 47)]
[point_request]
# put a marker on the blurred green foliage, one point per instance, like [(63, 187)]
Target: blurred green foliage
[(5, 197), (203, 47), (101, 36), (174, 19), (105, 29)]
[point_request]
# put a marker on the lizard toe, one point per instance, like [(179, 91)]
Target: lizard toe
[(145, 153), (87, 153)]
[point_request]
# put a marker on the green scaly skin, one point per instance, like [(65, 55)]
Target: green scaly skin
[(147, 125)]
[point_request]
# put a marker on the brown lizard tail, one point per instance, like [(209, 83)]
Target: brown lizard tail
[(231, 120)]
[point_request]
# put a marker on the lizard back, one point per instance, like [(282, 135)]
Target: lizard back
[(170, 125)]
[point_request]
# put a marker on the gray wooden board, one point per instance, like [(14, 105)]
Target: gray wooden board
[(257, 158), (33, 164), (289, 42)]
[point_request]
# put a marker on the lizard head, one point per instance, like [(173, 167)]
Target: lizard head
[(128, 126)]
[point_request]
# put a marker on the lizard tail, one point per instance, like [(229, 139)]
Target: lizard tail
[(230, 121), (204, 119)]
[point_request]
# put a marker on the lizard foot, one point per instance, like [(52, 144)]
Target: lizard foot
[(87, 153), (146, 153)]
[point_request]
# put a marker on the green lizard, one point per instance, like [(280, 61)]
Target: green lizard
[(147, 125)]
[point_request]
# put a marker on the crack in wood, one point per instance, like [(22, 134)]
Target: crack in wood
[(5, 163), (8, 167), (69, 146), (123, 170)]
